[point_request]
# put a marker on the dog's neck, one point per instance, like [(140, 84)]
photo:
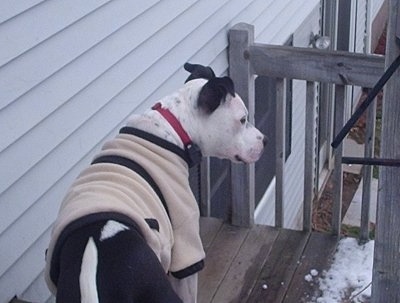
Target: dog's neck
[(182, 106), (175, 123)]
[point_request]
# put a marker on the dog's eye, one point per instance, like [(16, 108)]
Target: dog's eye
[(243, 120)]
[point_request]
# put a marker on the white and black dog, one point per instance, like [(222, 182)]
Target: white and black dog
[(128, 228)]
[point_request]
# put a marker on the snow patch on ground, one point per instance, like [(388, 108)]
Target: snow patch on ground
[(309, 277), (350, 273)]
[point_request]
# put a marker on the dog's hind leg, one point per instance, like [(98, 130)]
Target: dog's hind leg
[(87, 277)]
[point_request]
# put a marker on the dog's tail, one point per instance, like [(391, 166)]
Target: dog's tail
[(87, 277)]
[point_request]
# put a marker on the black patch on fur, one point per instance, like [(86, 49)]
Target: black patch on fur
[(198, 71), (127, 269), (214, 92), (153, 224)]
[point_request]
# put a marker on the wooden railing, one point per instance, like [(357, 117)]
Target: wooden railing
[(247, 59)]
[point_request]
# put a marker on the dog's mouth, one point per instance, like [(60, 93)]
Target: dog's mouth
[(247, 159), (239, 159)]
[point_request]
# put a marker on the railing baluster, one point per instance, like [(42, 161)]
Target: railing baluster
[(309, 156), (205, 203), (367, 172), (280, 151), (338, 153)]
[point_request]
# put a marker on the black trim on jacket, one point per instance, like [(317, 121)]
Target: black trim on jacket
[(137, 168), (156, 140), (188, 271)]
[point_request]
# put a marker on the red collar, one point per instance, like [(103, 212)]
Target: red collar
[(192, 151), (174, 122)]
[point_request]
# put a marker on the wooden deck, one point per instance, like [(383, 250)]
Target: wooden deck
[(261, 264)]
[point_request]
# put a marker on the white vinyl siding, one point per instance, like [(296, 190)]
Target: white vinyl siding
[(376, 5), (70, 74)]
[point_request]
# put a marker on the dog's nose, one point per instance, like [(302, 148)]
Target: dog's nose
[(265, 140)]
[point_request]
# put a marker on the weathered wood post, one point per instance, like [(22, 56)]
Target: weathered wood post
[(386, 272), (241, 36)]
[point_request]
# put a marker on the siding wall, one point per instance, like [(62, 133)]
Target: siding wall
[(379, 15), (361, 27), (376, 6), (72, 71), (358, 44), (358, 40)]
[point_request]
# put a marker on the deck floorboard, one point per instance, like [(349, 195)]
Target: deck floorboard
[(260, 264)]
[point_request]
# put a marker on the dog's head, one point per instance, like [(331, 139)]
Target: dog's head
[(223, 118)]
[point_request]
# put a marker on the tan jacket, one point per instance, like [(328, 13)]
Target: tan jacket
[(106, 187)]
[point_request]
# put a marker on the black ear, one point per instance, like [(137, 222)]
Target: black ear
[(198, 71), (214, 92)]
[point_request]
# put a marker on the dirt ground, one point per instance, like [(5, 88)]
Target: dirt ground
[(322, 211)]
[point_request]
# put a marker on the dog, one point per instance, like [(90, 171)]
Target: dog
[(128, 228)]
